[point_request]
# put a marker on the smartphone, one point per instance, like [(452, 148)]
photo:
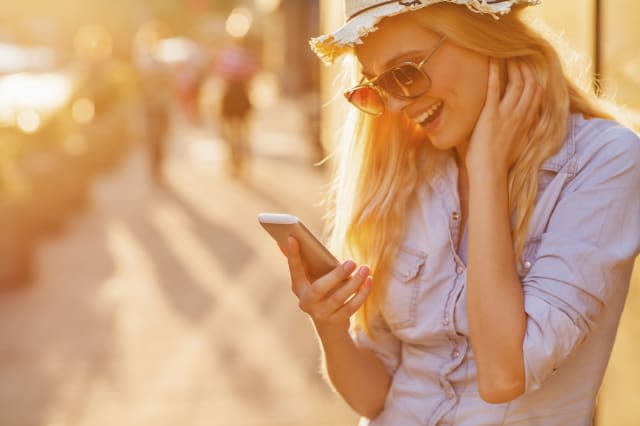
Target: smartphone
[(317, 259)]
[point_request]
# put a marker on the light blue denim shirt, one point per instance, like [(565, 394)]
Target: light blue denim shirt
[(575, 271)]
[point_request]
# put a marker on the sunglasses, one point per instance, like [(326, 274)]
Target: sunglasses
[(405, 81)]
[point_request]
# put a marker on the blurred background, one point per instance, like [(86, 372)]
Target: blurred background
[(138, 141)]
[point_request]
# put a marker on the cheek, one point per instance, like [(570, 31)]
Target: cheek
[(464, 95), (462, 83), (445, 82), (466, 92)]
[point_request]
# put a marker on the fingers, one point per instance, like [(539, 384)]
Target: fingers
[(493, 86), (324, 285), (333, 297), (523, 95), (349, 308), (515, 86), (528, 107), (344, 302), (341, 294), (526, 101)]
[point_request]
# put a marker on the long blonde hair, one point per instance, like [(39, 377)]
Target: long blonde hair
[(380, 164)]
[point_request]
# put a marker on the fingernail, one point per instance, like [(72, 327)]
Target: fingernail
[(364, 271), (348, 266), (368, 283)]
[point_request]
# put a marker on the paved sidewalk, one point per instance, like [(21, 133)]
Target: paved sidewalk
[(169, 305)]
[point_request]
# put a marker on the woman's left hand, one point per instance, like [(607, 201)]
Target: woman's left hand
[(502, 129)]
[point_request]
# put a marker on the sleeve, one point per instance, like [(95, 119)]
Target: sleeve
[(584, 257), (384, 344)]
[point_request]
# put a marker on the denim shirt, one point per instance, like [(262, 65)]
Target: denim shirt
[(575, 270)]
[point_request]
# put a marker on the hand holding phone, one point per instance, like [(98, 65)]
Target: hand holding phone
[(330, 294), (317, 258)]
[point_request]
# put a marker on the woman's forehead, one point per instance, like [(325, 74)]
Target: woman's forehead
[(397, 38)]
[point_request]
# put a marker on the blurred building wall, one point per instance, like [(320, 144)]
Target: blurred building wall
[(619, 42), (334, 106), (621, 50), (300, 71), (575, 20)]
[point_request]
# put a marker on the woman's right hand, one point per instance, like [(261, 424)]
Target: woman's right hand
[(328, 300)]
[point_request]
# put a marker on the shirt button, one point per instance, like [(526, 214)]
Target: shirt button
[(527, 265), (445, 321), (455, 215), (459, 269), (455, 354)]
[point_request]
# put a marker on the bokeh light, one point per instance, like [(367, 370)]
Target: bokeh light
[(15, 59), (239, 22), (174, 50), (149, 34), (44, 92), (83, 110), (28, 121), (93, 42), (264, 90)]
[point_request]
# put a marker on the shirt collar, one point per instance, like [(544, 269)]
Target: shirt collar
[(559, 160)]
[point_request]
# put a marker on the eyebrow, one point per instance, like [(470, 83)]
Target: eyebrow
[(398, 59)]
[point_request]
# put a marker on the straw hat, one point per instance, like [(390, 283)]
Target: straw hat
[(362, 16)]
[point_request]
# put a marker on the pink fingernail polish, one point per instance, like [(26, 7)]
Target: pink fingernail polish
[(368, 283), (348, 265)]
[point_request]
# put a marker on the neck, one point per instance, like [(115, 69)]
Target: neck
[(463, 177), (461, 154)]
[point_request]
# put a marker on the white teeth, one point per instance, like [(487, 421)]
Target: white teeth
[(422, 117)]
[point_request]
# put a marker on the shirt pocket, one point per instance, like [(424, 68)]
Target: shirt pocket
[(528, 256), (399, 307)]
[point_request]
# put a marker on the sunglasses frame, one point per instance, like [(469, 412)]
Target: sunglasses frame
[(371, 84)]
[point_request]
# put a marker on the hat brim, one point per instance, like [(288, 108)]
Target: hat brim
[(329, 47)]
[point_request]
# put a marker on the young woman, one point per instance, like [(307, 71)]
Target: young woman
[(496, 205)]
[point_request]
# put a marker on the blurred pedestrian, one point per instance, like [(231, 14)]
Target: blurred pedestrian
[(236, 65), (235, 110), (496, 203), (158, 115)]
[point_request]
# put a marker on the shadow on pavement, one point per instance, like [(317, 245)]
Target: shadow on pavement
[(57, 337)]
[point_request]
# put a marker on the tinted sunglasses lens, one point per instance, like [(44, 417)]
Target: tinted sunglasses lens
[(405, 81), (366, 99)]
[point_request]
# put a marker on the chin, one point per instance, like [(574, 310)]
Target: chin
[(441, 144)]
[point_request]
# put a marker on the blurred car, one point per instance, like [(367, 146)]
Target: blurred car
[(30, 98), (56, 136)]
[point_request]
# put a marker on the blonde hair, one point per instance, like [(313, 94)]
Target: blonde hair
[(380, 164)]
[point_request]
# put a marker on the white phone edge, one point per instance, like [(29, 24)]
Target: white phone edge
[(318, 259), (278, 218)]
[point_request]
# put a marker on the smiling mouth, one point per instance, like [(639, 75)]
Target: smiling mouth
[(429, 115)]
